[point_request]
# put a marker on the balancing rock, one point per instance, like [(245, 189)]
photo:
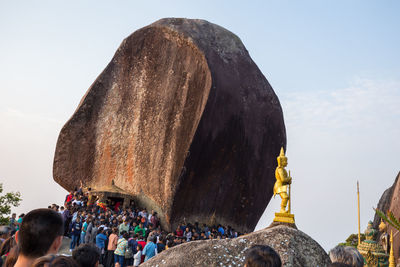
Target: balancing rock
[(181, 119)]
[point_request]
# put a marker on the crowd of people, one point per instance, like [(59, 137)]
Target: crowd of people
[(107, 234), (124, 236)]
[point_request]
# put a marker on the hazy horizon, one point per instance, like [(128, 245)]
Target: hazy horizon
[(335, 68)]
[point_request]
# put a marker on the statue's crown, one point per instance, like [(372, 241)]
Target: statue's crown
[(282, 153)]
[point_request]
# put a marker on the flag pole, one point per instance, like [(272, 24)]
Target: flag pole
[(290, 196), (358, 200)]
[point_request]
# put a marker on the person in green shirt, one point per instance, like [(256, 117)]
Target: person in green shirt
[(19, 221), (123, 227), (140, 229)]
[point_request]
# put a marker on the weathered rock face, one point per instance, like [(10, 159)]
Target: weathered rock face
[(183, 120), (390, 201), (293, 246)]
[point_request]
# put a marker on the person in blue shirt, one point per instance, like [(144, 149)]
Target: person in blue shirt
[(221, 230), (101, 239), (150, 250), (75, 233)]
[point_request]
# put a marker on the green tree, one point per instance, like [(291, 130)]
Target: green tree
[(7, 201), (352, 240)]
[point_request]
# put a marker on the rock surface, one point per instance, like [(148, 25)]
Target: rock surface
[(390, 201), (294, 247), (183, 120)]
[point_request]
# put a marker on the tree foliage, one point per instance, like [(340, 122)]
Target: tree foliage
[(8, 200), (352, 240)]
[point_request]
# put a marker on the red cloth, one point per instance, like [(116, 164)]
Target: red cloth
[(179, 233), (117, 206), (69, 198)]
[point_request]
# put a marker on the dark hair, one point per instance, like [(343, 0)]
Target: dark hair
[(12, 257), (5, 230), (125, 235), (338, 264), (86, 255), (139, 246), (7, 245), (38, 231), (262, 256), (55, 261)]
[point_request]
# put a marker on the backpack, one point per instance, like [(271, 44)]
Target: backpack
[(128, 253)]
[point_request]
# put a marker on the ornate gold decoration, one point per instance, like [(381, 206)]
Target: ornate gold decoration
[(371, 250), (391, 255)]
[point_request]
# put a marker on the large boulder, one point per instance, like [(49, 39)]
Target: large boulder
[(390, 201), (294, 247), (183, 120)]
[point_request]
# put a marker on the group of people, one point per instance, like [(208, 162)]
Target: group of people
[(124, 236), (107, 234), (40, 235)]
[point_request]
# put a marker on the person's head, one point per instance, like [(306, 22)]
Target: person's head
[(21, 215), (5, 231), (125, 235), (12, 257), (7, 245), (86, 255), (139, 247), (14, 215), (55, 261), (151, 238), (262, 256), (338, 264), (347, 255), (40, 233)]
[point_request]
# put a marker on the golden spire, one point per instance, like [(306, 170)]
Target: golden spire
[(282, 154), (391, 255)]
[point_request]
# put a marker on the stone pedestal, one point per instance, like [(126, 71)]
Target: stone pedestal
[(284, 217)]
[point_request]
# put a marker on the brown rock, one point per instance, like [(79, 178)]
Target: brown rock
[(390, 201), (183, 120), (293, 246)]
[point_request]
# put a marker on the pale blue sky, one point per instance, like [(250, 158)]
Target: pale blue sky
[(335, 65)]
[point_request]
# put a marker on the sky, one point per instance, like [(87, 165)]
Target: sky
[(335, 66)]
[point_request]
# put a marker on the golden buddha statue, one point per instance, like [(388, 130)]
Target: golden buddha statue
[(282, 188)]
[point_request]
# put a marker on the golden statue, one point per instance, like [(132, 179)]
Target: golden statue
[(282, 187), (384, 238)]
